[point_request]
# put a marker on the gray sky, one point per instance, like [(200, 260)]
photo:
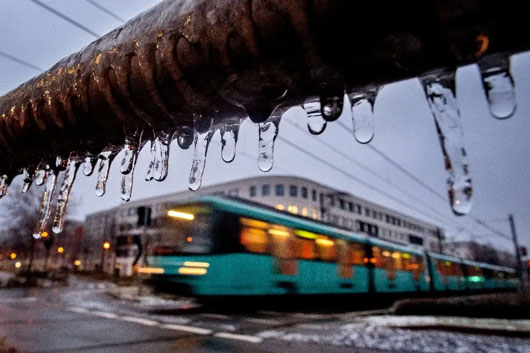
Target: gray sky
[(499, 151)]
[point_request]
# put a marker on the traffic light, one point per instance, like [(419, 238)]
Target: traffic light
[(144, 216), (524, 251)]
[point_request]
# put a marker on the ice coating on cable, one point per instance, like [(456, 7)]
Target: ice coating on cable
[(362, 111), (201, 141), (161, 155), (89, 165), (40, 176), (498, 85), (105, 159), (315, 122), (268, 131), (229, 134), (45, 208), (64, 194), (440, 92)]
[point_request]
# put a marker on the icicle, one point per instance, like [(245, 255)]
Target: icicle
[(127, 181), (362, 110), (440, 93), (268, 131), (40, 176), (315, 122), (151, 168), (60, 163), (105, 159), (130, 150), (229, 133), (161, 161), (27, 179), (201, 141), (45, 208), (89, 165), (4, 184), (64, 194), (185, 137), (331, 106), (499, 85)]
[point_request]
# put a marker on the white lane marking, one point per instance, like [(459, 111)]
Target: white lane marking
[(103, 314), (18, 300), (191, 329), (77, 310), (216, 316), (263, 321), (139, 320), (232, 336)]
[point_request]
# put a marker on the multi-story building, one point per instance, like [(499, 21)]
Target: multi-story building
[(292, 194)]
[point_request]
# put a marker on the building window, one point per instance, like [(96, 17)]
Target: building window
[(359, 209), (233, 192), (314, 192), (304, 192), (265, 190), (367, 212), (350, 207), (305, 211), (292, 209), (293, 191), (341, 202), (253, 191), (280, 191), (280, 207), (315, 213)]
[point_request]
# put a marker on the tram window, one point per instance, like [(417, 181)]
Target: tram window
[(265, 190), (397, 262), (253, 191), (293, 191), (377, 257), (305, 248), (304, 192), (357, 254), (326, 249), (280, 191), (344, 259), (253, 236)]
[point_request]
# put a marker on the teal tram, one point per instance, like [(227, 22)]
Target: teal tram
[(216, 246)]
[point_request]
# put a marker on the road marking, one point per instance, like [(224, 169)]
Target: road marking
[(263, 321), (232, 336), (77, 310), (18, 300), (103, 314), (191, 329), (216, 316), (138, 320)]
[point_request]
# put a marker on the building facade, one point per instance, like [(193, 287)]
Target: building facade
[(471, 250)]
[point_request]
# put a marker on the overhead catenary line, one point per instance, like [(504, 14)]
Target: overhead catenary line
[(105, 10), (66, 18), (20, 61)]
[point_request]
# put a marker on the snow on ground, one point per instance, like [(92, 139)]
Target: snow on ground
[(380, 332)]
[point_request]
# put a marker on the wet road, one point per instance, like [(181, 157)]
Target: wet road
[(84, 318), (42, 320)]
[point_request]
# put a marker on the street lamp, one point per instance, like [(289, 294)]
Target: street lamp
[(106, 245), (13, 256), (60, 249)]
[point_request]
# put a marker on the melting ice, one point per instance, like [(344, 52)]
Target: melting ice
[(45, 208), (229, 133), (268, 131), (64, 194), (440, 93), (498, 85), (105, 159), (362, 110), (316, 124)]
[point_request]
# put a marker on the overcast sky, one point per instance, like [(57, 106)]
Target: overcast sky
[(499, 151)]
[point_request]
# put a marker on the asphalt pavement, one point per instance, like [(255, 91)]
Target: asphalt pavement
[(84, 318)]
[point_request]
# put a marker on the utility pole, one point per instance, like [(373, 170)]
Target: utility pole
[(517, 252)]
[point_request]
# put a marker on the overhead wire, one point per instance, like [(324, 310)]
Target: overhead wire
[(66, 18), (20, 61), (105, 10)]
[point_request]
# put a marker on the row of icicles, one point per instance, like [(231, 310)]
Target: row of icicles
[(439, 89)]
